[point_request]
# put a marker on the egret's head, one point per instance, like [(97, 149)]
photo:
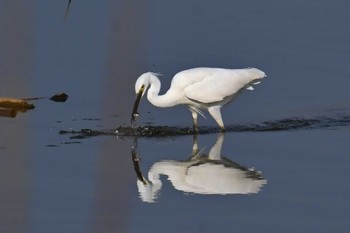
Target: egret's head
[(141, 85)]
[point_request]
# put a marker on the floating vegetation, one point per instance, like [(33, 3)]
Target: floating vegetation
[(86, 133), (62, 97), (266, 126), (15, 103), (9, 107), (294, 124), (152, 131), (51, 145), (287, 124), (72, 142)]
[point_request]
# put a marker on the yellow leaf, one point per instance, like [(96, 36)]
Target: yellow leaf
[(14, 103)]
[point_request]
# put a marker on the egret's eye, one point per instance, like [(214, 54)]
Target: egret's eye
[(142, 87)]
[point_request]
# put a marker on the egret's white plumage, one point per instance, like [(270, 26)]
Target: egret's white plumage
[(199, 89)]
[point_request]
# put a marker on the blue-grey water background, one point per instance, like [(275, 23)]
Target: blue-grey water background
[(52, 183)]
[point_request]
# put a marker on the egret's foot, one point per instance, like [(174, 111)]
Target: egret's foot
[(135, 126), (195, 156), (192, 131)]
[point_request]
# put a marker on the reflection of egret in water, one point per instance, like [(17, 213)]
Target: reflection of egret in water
[(199, 174), (148, 189)]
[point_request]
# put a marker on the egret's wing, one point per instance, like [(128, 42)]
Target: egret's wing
[(221, 84), (212, 89)]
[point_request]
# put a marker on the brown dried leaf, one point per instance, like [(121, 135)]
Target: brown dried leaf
[(14, 103)]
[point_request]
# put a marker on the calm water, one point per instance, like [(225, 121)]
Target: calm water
[(291, 180)]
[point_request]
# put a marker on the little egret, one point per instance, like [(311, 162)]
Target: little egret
[(198, 88)]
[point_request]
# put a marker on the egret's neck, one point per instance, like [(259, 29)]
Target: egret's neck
[(166, 100)]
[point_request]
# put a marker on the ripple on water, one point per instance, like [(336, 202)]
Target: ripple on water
[(287, 124)]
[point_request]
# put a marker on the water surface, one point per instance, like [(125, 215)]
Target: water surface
[(292, 130)]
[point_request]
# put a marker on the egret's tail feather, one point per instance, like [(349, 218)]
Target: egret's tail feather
[(250, 87), (256, 73), (254, 76)]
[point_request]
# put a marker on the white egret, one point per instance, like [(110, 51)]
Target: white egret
[(198, 88)]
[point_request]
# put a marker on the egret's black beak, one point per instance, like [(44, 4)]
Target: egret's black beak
[(134, 113)]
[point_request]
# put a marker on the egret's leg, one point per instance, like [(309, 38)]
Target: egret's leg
[(195, 145), (216, 114), (215, 151), (195, 117), (195, 149)]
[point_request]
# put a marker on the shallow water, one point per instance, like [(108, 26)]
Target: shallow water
[(295, 123), (282, 165)]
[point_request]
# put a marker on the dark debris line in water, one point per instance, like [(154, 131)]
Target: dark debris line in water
[(166, 131), (86, 133), (294, 124)]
